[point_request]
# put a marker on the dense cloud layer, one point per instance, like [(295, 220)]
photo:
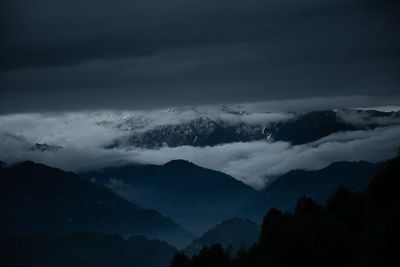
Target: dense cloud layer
[(254, 163), (73, 55)]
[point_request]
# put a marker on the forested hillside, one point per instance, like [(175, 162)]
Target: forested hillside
[(352, 229)]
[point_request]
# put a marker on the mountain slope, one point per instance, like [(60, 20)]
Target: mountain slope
[(35, 197), (237, 232), (83, 249), (353, 229), (202, 131), (195, 197), (285, 190), (206, 130), (309, 127)]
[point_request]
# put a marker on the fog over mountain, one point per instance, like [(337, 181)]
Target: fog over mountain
[(83, 139), (197, 111)]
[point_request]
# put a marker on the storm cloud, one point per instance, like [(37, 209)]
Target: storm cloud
[(74, 55)]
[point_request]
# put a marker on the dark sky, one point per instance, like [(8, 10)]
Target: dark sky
[(129, 54)]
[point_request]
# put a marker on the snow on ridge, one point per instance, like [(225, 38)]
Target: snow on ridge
[(141, 121)]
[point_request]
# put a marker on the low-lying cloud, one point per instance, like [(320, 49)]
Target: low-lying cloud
[(365, 119), (254, 163)]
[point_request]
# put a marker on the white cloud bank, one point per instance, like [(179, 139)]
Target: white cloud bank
[(251, 162)]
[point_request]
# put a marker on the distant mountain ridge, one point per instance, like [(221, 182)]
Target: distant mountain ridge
[(209, 131), (195, 197), (36, 198), (202, 131), (284, 191)]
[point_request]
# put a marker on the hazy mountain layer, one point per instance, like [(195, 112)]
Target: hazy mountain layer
[(37, 198), (319, 185), (352, 229), (195, 197)]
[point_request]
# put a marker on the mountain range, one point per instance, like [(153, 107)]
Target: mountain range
[(195, 197), (38, 198), (352, 229), (48, 208), (206, 130), (199, 198), (283, 193)]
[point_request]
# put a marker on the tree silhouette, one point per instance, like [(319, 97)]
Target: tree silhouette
[(353, 229), (340, 197), (180, 260), (213, 256), (269, 227), (305, 205)]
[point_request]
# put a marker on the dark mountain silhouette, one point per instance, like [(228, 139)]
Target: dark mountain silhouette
[(35, 198), (235, 232), (285, 190), (309, 127), (353, 229), (195, 197), (83, 249)]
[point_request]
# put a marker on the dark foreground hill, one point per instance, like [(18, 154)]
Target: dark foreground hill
[(37, 198), (237, 233), (319, 185), (353, 229), (195, 197), (83, 249)]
